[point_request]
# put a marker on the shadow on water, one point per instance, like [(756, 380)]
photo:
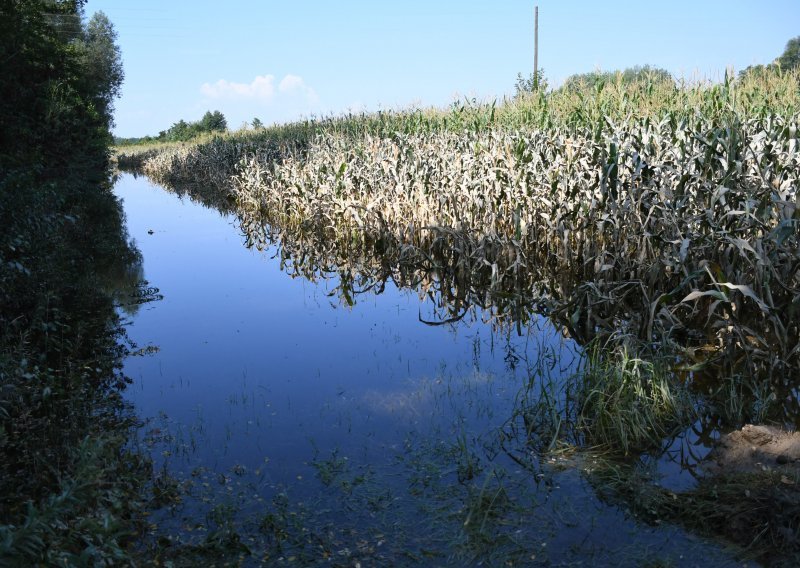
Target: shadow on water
[(516, 420)]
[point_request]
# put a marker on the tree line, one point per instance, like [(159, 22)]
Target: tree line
[(69, 487), (789, 59), (60, 77), (183, 131)]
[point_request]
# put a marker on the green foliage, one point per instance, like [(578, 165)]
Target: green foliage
[(213, 122), (64, 260), (58, 81), (182, 131), (790, 58), (257, 124), (531, 84), (626, 404), (68, 486), (637, 74)]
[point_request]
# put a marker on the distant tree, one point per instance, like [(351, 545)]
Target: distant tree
[(755, 70), (531, 84), (630, 75), (257, 124), (790, 58), (213, 122), (181, 130), (646, 73)]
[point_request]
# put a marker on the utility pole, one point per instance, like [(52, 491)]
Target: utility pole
[(536, 49)]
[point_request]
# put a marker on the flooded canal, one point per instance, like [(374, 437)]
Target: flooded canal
[(303, 416)]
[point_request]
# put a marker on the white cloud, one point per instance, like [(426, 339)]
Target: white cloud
[(266, 97), (291, 83), (295, 85), (260, 88)]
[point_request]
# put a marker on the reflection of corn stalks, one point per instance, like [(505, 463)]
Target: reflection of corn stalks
[(679, 225), (652, 228)]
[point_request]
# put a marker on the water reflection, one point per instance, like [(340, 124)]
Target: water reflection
[(316, 418)]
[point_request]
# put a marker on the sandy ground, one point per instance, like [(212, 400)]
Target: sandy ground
[(756, 449)]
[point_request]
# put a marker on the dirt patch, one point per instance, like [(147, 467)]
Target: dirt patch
[(756, 449)]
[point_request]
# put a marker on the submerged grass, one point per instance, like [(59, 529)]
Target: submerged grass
[(614, 403), (628, 405)]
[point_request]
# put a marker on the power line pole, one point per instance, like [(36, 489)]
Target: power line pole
[(536, 49)]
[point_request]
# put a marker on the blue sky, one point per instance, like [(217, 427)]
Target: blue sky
[(281, 60)]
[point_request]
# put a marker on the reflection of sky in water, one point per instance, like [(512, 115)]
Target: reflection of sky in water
[(261, 370), (232, 325)]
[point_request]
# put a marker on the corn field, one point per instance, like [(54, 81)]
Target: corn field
[(665, 216)]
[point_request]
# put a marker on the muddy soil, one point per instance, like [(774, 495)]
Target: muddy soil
[(755, 449)]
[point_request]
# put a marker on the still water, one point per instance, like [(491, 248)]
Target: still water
[(290, 427)]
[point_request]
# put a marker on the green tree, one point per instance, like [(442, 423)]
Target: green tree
[(181, 130), (102, 63), (790, 58), (213, 122), (636, 74), (45, 105), (257, 124)]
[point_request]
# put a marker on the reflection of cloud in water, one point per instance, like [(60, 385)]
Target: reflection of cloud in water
[(422, 394)]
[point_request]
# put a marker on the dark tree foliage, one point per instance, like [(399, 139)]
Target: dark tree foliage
[(790, 58), (213, 122), (64, 254), (183, 131), (56, 87)]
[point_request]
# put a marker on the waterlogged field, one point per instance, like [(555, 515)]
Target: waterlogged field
[(292, 422), (514, 333)]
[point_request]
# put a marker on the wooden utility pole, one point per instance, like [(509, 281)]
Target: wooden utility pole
[(536, 48)]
